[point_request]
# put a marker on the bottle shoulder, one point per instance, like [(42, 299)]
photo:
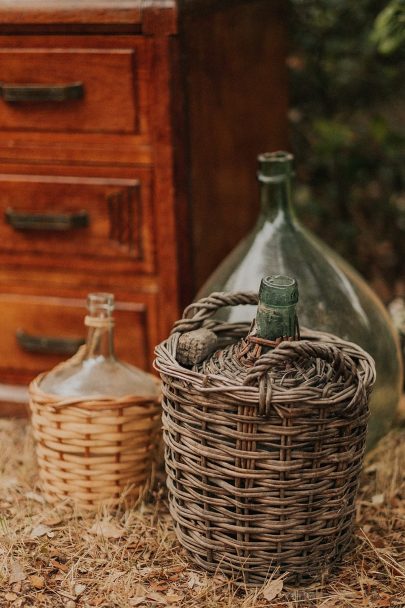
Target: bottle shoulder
[(99, 376)]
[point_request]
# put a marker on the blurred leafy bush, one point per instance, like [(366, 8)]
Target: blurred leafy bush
[(347, 118)]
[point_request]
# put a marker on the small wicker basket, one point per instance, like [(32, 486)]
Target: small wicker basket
[(263, 475), (98, 451)]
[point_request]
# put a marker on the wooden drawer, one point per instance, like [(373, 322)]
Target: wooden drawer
[(76, 223), (76, 89), (33, 328)]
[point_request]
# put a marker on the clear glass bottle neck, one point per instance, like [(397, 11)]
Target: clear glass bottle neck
[(100, 342), (276, 200)]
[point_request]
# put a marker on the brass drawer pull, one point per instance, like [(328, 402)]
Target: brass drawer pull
[(47, 345), (21, 220), (13, 93)]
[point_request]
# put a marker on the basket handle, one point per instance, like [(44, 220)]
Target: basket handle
[(196, 313), (291, 351)]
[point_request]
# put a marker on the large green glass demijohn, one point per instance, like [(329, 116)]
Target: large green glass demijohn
[(333, 296)]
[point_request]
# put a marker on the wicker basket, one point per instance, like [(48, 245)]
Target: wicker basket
[(263, 476), (94, 452)]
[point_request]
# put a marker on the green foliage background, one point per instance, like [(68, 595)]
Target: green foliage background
[(347, 67)]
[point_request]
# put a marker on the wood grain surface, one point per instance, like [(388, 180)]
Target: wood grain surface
[(160, 152)]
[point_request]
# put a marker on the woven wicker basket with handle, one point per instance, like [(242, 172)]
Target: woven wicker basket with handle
[(263, 467)]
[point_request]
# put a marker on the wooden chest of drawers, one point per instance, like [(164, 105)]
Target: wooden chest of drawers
[(128, 136)]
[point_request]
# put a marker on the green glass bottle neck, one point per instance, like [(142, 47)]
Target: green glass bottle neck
[(276, 199), (276, 312), (274, 322)]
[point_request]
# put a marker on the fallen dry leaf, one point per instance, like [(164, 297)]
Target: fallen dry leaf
[(96, 601), (41, 530), (137, 601), (16, 587), (159, 586), (175, 569), (17, 573), (385, 601), (396, 502), (10, 597), (157, 597), (35, 496), (114, 577), (106, 529), (79, 588), (37, 581), (377, 499), (172, 598), (272, 589), (52, 520), (58, 565), (372, 468), (54, 552), (9, 482), (193, 580)]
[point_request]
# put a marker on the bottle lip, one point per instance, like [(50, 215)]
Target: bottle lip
[(280, 156), (279, 281), (278, 290), (100, 304), (275, 167)]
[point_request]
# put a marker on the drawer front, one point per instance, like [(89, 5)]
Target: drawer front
[(80, 90), (39, 332), (77, 223)]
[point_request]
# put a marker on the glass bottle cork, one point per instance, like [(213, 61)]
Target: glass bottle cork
[(95, 371)]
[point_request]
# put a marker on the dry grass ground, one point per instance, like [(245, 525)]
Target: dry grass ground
[(54, 557)]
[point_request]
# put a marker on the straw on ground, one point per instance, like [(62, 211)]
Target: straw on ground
[(55, 557)]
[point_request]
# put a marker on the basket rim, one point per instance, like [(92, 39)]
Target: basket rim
[(168, 348), (167, 365)]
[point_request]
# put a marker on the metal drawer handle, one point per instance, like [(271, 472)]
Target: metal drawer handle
[(21, 220), (12, 93), (47, 345)]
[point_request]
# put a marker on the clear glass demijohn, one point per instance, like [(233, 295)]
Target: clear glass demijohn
[(333, 296), (95, 371)]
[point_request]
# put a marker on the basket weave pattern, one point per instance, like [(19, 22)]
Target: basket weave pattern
[(263, 470), (93, 451)]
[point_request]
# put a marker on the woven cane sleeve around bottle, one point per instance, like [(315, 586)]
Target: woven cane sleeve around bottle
[(289, 352), (97, 451), (251, 494)]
